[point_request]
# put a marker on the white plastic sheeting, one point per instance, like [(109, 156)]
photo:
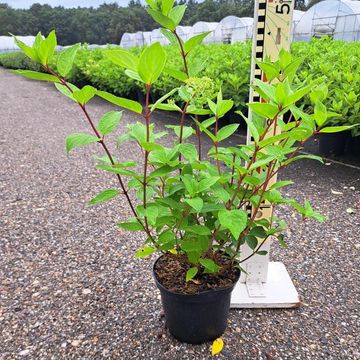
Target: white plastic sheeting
[(7, 43), (339, 19), (128, 40), (203, 26), (157, 36), (243, 33), (184, 32), (229, 24), (142, 38)]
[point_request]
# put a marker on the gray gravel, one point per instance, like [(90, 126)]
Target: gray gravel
[(70, 289)]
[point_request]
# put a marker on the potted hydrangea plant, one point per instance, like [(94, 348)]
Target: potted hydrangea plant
[(191, 203)]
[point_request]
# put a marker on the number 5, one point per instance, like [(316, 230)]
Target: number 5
[(280, 9)]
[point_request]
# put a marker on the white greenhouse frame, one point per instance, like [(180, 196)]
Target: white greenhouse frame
[(338, 19)]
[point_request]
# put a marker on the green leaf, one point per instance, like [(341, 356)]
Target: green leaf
[(177, 74), (145, 251), (163, 98), (46, 48), (34, 75), (206, 184), (266, 91), (122, 102), (199, 230), (133, 75), (262, 252), (264, 109), (191, 273), (258, 231), (306, 156), (131, 226), (335, 129), (104, 196), (84, 95), (189, 151), (176, 14), (195, 203), (170, 36), (271, 71), (209, 265), (27, 50), (280, 184), (251, 241), (233, 220), (161, 171), (161, 19), (66, 59), (166, 6), (151, 63), (123, 58), (194, 41), (226, 131), (109, 122), (252, 128), (320, 113), (65, 91), (76, 140)]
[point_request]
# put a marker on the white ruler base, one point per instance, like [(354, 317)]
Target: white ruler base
[(278, 291)]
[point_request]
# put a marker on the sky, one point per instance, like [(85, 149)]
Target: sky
[(25, 4)]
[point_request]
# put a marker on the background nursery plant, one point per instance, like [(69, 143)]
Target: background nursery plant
[(193, 204)]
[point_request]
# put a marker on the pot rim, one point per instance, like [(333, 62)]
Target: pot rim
[(189, 296)]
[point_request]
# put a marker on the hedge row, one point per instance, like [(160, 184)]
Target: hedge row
[(229, 66)]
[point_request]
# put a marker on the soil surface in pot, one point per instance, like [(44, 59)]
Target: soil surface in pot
[(170, 271)]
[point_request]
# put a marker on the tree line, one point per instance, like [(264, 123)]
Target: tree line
[(108, 22)]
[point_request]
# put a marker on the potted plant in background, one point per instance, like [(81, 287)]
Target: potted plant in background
[(191, 203)]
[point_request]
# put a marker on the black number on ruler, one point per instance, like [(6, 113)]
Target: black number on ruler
[(280, 9)]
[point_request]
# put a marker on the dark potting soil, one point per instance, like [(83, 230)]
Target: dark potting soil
[(170, 271)]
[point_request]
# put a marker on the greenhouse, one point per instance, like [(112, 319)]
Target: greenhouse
[(128, 40), (157, 36), (339, 20), (203, 26), (142, 38), (243, 33), (184, 32), (229, 24), (7, 43)]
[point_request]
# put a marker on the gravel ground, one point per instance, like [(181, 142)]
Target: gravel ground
[(70, 289)]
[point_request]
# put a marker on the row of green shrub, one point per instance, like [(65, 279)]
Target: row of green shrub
[(229, 66)]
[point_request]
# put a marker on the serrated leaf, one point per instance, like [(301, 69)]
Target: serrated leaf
[(34, 75), (76, 140), (195, 203), (205, 184), (233, 220), (104, 196), (191, 273), (217, 346), (108, 123), (66, 59)]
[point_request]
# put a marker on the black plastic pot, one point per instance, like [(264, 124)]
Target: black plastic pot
[(355, 145), (333, 144), (196, 318)]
